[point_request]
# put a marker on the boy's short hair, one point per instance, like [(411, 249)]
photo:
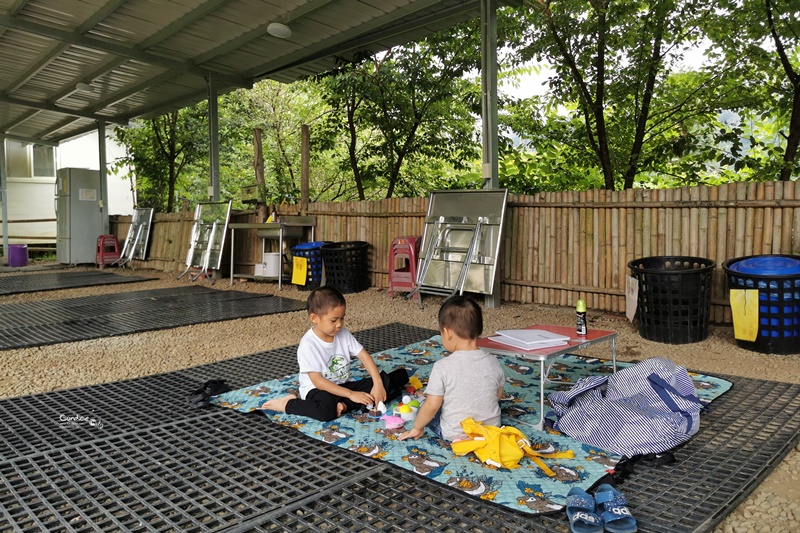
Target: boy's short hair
[(462, 316), (323, 299)]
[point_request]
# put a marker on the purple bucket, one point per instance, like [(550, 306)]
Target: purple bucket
[(17, 255)]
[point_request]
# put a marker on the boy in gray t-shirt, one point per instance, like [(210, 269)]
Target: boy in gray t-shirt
[(467, 383)]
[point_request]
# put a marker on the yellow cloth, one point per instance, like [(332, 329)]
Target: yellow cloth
[(502, 446), (299, 269), (744, 307)]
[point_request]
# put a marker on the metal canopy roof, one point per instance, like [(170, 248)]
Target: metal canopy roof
[(64, 64)]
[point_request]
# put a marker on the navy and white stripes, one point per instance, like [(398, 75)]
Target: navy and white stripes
[(646, 408)]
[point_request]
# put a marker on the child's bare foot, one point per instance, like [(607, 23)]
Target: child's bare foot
[(341, 409), (278, 404)]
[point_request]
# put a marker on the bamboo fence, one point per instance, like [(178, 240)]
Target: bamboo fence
[(557, 247)]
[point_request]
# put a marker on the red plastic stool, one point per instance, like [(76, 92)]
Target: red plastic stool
[(107, 250), (406, 250)]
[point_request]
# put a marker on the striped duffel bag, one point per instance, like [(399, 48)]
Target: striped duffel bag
[(649, 407)]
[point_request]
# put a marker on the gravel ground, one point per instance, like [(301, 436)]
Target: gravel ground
[(773, 507)]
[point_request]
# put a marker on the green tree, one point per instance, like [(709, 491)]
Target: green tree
[(157, 151), (614, 64), (410, 104), (759, 39)]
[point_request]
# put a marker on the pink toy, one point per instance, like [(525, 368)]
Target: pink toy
[(392, 421)]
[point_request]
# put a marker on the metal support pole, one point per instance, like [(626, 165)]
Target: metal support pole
[(305, 170), (489, 117), (489, 92), (4, 193), (101, 149), (213, 137)]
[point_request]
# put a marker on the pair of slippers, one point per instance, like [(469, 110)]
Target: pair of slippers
[(202, 396), (606, 510)]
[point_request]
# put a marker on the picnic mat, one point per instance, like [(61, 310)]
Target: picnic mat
[(52, 281), (91, 317), (525, 489)]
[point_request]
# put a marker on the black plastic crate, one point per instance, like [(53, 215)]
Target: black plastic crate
[(674, 297), (346, 265)]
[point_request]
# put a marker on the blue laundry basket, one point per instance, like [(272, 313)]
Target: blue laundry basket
[(777, 278), (312, 252)]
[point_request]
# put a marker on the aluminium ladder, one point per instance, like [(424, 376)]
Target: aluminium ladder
[(439, 246)]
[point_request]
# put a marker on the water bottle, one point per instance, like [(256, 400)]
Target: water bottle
[(580, 313)]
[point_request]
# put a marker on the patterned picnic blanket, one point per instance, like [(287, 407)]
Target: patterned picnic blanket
[(525, 489)]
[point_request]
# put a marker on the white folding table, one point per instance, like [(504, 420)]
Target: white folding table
[(543, 355)]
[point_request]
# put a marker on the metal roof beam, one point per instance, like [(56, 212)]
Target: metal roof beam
[(115, 49), (130, 91), (56, 109), (252, 35), (63, 124), (341, 40), (45, 60), (361, 36), (19, 120), (22, 138), (176, 103), (185, 20)]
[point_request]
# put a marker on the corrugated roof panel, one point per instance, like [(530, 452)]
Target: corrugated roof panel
[(63, 14), (135, 20), (127, 45), (18, 51), (11, 114), (74, 63)]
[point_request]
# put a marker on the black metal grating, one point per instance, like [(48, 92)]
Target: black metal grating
[(62, 280), (273, 364), (392, 499), (42, 422), (748, 432), (197, 475), (158, 465), (49, 322)]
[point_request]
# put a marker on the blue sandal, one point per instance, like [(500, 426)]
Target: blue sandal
[(616, 515), (580, 511)]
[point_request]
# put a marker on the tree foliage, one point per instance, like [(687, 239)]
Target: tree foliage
[(758, 40), (158, 150), (411, 104), (622, 109)]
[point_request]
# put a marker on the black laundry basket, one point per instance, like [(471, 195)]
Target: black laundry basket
[(346, 267), (777, 279), (674, 297)]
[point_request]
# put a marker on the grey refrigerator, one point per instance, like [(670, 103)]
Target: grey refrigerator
[(79, 215)]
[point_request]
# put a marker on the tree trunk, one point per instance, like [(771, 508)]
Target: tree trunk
[(258, 163), (793, 140), (599, 100), (352, 146)]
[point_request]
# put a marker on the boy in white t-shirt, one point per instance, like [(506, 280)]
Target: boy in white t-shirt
[(324, 353), (467, 383)]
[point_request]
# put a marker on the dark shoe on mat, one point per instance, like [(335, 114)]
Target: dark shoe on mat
[(580, 511), (200, 398), (616, 515)]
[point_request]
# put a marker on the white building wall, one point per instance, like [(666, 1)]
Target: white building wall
[(33, 198), (82, 153)]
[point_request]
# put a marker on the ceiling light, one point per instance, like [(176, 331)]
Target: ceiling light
[(281, 31), (84, 87)]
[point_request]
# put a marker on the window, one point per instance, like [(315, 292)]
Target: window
[(24, 160), (44, 161), (18, 162)]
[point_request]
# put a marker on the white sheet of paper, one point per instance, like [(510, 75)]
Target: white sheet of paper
[(532, 336)]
